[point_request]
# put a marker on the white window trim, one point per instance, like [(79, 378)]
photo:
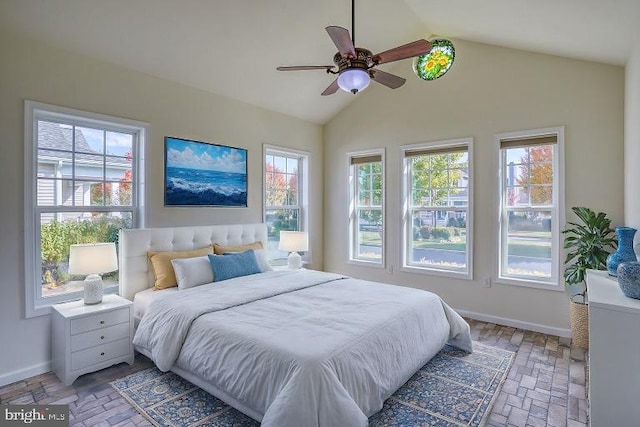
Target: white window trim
[(351, 212), (406, 223), (304, 220), (558, 189), (35, 306)]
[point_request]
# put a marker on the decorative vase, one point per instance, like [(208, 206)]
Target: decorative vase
[(625, 252), (629, 278)]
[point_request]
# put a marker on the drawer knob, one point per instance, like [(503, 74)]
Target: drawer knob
[(102, 322), (102, 354), (102, 337)]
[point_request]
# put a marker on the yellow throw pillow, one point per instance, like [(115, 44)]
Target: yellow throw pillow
[(219, 250), (162, 268)]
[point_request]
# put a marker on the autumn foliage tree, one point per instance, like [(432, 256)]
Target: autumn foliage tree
[(536, 174), (275, 183), (125, 189), (103, 193), (281, 190)]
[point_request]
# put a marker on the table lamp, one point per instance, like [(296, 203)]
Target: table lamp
[(293, 242), (92, 260)]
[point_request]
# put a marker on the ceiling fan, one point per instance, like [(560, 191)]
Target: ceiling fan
[(356, 66)]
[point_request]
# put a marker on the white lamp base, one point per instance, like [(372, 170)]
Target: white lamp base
[(93, 289), (294, 261)]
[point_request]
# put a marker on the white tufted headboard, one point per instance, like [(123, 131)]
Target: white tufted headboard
[(135, 274)]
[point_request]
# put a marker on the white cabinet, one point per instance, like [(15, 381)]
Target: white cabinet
[(87, 338), (614, 353)]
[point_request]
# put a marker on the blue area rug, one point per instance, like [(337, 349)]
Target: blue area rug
[(453, 389)]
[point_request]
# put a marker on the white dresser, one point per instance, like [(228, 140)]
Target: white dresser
[(614, 353), (87, 338)]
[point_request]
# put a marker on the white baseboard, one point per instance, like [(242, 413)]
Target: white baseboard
[(550, 330), (25, 373)]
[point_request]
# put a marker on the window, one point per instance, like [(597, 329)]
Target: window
[(366, 209), (285, 197), (437, 208), (530, 206), (83, 181)]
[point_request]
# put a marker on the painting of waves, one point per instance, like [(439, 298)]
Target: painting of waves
[(203, 174)]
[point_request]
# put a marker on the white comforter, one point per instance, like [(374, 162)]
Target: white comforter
[(301, 348)]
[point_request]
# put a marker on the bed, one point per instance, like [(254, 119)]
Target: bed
[(287, 348)]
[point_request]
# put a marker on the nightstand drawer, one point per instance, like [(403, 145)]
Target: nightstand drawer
[(99, 336), (94, 355), (99, 320)]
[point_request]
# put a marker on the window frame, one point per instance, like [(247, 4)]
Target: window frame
[(304, 159), (558, 209), (352, 183), (35, 303), (407, 223)]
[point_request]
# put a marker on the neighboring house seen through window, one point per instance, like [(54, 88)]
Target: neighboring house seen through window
[(366, 207), (83, 185), (531, 202), (285, 197), (437, 214)]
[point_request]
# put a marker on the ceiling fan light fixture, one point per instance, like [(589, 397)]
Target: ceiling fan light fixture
[(356, 66), (353, 80)]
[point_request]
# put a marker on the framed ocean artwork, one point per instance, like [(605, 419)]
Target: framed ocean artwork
[(204, 174)]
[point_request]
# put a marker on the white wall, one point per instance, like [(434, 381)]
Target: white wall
[(489, 90), (632, 140), (34, 71)]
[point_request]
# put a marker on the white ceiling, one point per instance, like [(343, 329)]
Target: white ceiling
[(232, 48)]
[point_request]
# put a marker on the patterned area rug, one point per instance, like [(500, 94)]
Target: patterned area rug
[(453, 389)]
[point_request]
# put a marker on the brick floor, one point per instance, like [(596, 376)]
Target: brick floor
[(546, 385)]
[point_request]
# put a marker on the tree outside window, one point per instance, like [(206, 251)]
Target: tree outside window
[(438, 192), (529, 235), (284, 208), (85, 190), (366, 220)]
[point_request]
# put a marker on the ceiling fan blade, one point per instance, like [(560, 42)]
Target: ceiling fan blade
[(342, 40), (305, 67), (387, 79), (409, 50), (333, 87)]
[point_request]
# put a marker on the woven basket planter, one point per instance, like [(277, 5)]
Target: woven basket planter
[(579, 322)]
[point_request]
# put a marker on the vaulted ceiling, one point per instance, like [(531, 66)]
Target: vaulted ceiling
[(232, 48)]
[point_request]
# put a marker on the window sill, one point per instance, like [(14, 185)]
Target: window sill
[(363, 263), (435, 272), (529, 284)]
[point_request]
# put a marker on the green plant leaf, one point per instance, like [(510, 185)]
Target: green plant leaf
[(589, 242)]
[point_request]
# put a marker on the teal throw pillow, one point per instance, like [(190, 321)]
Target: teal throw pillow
[(232, 265)]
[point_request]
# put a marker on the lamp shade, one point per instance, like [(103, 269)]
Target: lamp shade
[(353, 80), (94, 258), (294, 241)]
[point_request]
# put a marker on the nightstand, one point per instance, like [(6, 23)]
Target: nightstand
[(87, 338)]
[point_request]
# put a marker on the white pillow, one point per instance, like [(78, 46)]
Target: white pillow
[(261, 258), (192, 272)]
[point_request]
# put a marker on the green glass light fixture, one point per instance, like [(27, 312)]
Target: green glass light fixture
[(437, 62)]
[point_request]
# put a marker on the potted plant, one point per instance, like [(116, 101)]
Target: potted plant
[(589, 243)]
